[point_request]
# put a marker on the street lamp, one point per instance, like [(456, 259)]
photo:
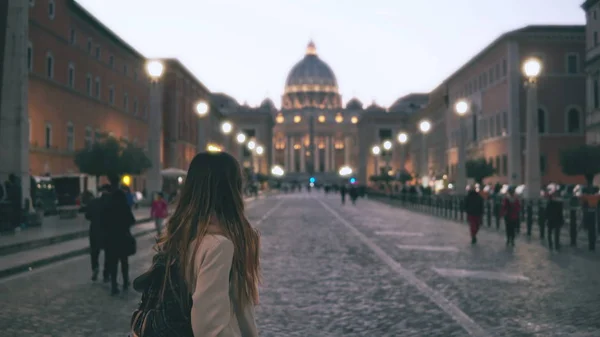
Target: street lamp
[(251, 145), (425, 127), (376, 150), (387, 145), (259, 150), (241, 138), (345, 171), (202, 108), (277, 171), (461, 108), (402, 139), (532, 69), (155, 70), (226, 127)]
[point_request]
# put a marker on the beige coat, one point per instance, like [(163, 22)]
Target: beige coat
[(212, 312)]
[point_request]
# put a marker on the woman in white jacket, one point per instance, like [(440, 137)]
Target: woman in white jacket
[(210, 231)]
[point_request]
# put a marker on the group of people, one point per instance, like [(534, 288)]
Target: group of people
[(352, 191), (111, 218), (511, 209)]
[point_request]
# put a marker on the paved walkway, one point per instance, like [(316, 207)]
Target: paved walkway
[(364, 270), (53, 227)]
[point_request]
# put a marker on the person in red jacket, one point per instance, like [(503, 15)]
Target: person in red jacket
[(159, 212), (511, 207)]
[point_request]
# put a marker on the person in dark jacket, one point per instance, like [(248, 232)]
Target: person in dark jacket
[(353, 194), (511, 207), (120, 244), (343, 192), (554, 220), (474, 208), (94, 213), (15, 198)]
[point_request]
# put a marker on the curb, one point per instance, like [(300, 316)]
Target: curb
[(55, 258), (27, 245)]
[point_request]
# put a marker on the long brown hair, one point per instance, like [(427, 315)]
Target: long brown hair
[(213, 188)]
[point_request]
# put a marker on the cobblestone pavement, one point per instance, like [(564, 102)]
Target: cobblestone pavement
[(332, 270)]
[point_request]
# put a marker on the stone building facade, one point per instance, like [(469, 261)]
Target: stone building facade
[(492, 82)]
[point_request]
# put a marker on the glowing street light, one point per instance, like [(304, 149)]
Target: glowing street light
[(425, 126), (259, 150), (461, 107), (240, 138), (532, 68), (226, 127), (202, 108), (345, 171), (402, 138), (251, 145), (155, 69), (376, 150), (387, 145), (277, 171)]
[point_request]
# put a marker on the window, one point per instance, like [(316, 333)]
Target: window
[(88, 84), (504, 68), (491, 75), (498, 125), (30, 56), (111, 61), (98, 53), (504, 165), (485, 79), (89, 137), (71, 76), (492, 127), (51, 9), (70, 137), (125, 69), (126, 102), (497, 71), (573, 121), (543, 164), (98, 91), (72, 36), (89, 46), (572, 64), (111, 95), (505, 122), (48, 136), (49, 65), (541, 121), (135, 106)]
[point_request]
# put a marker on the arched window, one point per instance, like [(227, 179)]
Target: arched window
[(573, 121), (49, 65), (71, 75), (541, 121), (51, 9)]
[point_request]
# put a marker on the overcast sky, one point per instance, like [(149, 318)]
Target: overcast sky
[(378, 49)]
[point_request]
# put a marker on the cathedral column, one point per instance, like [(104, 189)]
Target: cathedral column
[(292, 155), (302, 156), (347, 149), (327, 156), (332, 154), (286, 154)]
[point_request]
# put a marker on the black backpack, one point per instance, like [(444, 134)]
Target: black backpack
[(166, 317)]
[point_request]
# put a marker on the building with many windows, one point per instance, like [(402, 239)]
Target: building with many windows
[(492, 82)]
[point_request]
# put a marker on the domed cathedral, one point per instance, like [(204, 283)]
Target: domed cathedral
[(314, 134)]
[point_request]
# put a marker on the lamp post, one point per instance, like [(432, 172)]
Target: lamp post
[(155, 70), (402, 139), (226, 128), (387, 146), (461, 107), (259, 150), (202, 110), (376, 150), (532, 69), (251, 146), (424, 127)]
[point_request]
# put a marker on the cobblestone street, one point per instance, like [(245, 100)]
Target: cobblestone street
[(363, 270)]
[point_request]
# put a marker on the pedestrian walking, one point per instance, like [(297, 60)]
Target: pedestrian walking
[(554, 219), (159, 212), (120, 244), (474, 205), (589, 207), (209, 256), (511, 207), (353, 194), (15, 199), (97, 234), (343, 192)]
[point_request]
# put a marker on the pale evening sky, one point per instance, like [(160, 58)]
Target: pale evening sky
[(378, 49)]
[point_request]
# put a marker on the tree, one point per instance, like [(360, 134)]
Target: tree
[(479, 169), (109, 156), (583, 160)]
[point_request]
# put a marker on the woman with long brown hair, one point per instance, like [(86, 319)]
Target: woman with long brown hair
[(216, 283)]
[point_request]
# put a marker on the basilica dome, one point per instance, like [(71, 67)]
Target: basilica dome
[(311, 83)]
